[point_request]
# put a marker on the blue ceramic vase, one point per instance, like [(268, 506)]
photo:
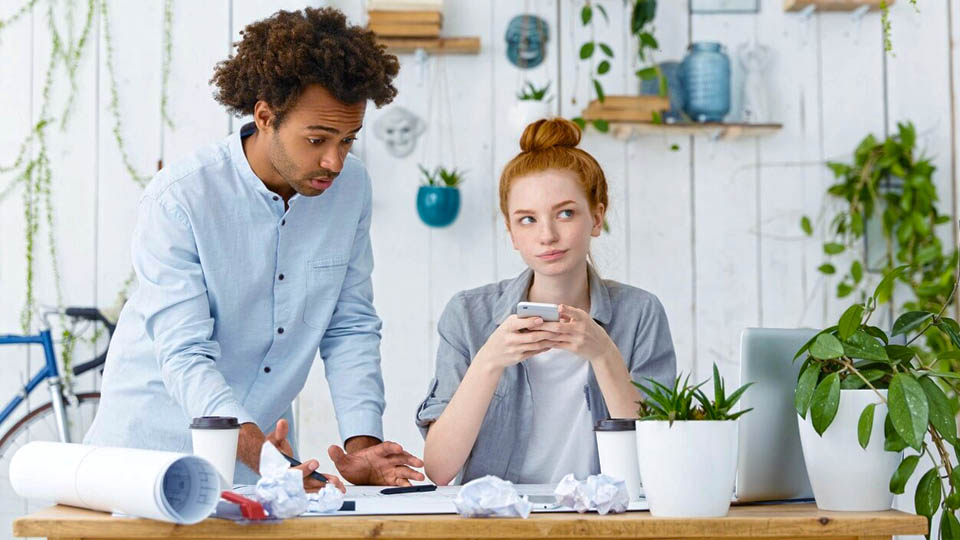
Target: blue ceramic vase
[(705, 77), (438, 206)]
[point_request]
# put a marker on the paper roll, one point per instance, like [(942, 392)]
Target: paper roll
[(166, 486)]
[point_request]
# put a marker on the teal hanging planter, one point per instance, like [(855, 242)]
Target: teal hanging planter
[(438, 206)]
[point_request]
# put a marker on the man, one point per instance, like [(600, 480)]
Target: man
[(255, 252)]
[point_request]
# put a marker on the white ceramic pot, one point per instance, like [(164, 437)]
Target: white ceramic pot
[(528, 111), (617, 446), (843, 476), (689, 468)]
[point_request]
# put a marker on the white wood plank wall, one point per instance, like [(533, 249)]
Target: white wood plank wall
[(712, 227)]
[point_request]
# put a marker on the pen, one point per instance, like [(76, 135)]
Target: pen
[(408, 489), (315, 475)]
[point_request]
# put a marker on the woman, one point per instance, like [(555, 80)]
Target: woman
[(518, 397)]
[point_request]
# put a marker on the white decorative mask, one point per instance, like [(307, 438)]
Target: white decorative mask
[(399, 129)]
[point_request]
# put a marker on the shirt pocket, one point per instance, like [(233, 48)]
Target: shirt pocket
[(324, 280)]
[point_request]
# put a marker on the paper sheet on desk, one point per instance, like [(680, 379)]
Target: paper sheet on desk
[(369, 501), (167, 486)]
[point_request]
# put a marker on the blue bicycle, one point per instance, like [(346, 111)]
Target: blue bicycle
[(64, 418)]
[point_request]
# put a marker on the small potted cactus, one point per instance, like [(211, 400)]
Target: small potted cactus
[(438, 199), (533, 103)]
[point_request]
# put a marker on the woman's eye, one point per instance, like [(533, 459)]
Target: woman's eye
[(348, 140), (526, 220), (566, 213)]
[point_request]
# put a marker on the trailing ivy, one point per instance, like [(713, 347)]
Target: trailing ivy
[(31, 170)]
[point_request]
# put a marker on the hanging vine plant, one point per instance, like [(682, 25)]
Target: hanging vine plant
[(31, 170), (889, 182)]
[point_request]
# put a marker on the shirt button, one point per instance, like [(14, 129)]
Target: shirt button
[(280, 277), (280, 330), (276, 198), (266, 369)]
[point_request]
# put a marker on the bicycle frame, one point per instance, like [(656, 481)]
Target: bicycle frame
[(49, 372)]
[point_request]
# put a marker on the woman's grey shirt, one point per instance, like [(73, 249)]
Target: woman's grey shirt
[(633, 318)]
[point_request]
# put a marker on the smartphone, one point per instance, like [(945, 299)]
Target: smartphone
[(547, 312)]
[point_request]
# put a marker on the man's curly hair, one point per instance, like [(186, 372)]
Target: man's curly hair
[(278, 57)]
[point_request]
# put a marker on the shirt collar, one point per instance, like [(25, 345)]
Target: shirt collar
[(516, 291), (242, 164)]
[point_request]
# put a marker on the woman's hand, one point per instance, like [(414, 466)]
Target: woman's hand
[(578, 333), (514, 341)]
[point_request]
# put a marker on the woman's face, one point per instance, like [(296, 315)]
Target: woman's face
[(550, 221)]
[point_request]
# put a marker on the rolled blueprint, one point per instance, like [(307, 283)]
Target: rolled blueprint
[(167, 486)]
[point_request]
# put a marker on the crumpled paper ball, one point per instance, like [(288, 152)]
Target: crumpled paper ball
[(491, 496), (599, 492), (280, 488), (327, 500)]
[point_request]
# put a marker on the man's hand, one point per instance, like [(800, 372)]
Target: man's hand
[(252, 441), (384, 464)]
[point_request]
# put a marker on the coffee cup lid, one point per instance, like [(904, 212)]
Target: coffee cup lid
[(616, 424), (215, 422)]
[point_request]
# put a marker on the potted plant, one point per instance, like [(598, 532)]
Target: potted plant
[(438, 199), (532, 104), (676, 427), (855, 385)]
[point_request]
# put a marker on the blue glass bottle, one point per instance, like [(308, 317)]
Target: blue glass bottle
[(705, 77)]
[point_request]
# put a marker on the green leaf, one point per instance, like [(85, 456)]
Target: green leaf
[(827, 269), (580, 122), (833, 248), (826, 400), (647, 39), (885, 287), (927, 498), (599, 88), (865, 347), (898, 481), (850, 321), (909, 410), (826, 347), (910, 321), (877, 333), (606, 50), (806, 225), (602, 125), (953, 502), (586, 14), (892, 441), (603, 67), (844, 289), (810, 342), (951, 332), (805, 387), (941, 414), (949, 526), (647, 74), (865, 425), (856, 271), (603, 12), (586, 50), (900, 353)]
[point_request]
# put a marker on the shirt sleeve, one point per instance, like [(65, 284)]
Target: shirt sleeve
[(653, 354), (172, 297), (350, 346), (453, 359)]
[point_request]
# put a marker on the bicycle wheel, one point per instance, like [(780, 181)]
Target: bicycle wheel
[(37, 425)]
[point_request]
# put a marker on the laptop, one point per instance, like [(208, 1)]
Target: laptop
[(770, 463)]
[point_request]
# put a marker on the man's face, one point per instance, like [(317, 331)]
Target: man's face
[(309, 147)]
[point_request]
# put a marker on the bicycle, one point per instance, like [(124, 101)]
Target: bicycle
[(64, 418)]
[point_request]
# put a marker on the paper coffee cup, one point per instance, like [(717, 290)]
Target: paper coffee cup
[(215, 439), (617, 445)]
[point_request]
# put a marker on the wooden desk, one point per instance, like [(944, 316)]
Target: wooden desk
[(780, 522)]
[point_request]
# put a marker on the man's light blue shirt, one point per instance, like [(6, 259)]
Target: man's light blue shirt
[(236, 295)]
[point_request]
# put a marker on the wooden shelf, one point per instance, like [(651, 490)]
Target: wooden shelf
[(714, 130), (832, 5), (442, 45)]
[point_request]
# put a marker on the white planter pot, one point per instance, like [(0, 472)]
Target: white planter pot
[(528, 111), (844, 476), (688, 469)]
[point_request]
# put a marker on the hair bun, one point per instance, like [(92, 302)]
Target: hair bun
[(549, 132)]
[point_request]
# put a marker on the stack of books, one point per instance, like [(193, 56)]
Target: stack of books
[(406, 18)]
